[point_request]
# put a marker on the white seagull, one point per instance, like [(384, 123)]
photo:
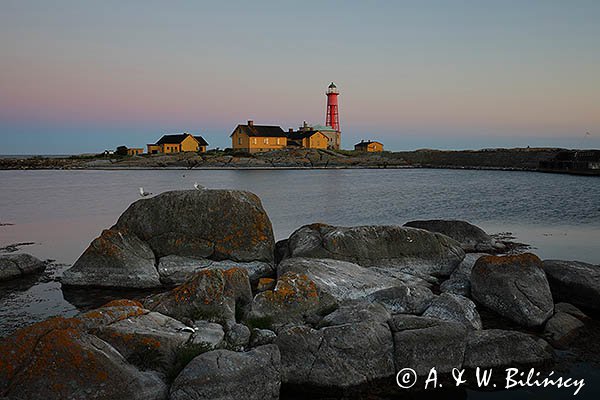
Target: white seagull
[(197, 186), (144, 194)]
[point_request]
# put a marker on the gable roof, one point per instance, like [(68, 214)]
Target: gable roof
[(201, 141), (261, 130), (174, 138), (302, 134)]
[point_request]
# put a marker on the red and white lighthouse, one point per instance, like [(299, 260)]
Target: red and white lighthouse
[(333, 115)]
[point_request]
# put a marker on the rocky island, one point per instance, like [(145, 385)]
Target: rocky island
[(528, 159), (330, 310)]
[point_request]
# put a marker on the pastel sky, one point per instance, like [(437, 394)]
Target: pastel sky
[(83, 76)]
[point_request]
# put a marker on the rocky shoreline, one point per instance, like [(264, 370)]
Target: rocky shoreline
[(525, 159), (330, 310)]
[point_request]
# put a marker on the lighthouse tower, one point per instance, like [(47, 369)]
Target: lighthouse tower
[(333, 115)]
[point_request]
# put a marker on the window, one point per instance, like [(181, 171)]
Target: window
[(254, 140), (277, 140), (266, 140), (239, 140)]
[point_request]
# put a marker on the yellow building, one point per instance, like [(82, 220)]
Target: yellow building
[(308, 139), (135, 151), (178, 143), (368, 146), (333, 136), (258, 138)]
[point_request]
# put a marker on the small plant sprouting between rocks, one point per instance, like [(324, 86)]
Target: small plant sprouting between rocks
[(147, 359), (184, 355)]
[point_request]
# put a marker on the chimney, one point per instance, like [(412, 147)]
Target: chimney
[(304, 125), (291, 130), (250, 122)]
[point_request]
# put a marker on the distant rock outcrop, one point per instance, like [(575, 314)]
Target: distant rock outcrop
[(472, 238), (17, 265)]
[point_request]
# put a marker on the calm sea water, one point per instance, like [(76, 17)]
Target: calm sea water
[(62, 211)]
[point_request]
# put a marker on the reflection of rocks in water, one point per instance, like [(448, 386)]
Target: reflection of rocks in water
[(89, 298), (18, 285)]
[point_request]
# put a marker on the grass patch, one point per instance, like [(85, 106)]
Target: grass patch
[(147, 359), (184, 355)]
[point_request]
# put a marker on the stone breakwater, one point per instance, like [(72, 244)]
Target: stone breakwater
[(330, 309)]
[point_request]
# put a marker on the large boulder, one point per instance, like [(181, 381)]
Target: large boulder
[(211, 294), (343, 280), (562, 329), (471, 237), (261, 337), (294, 298), (571, 310), (225, 375), (409, 249), (17, 265), (421, 343), (212, 224), (237, 336), (341, 356), (497, 348), (454, 308), (175, 270), (58, 359), (209, 334), (575, 282), (149, 341), (514, 287), (118, 258)]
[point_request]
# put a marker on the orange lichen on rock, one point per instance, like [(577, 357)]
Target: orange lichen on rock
[(265, 284), (521, 260), (292, 288), (18, 349), (123, 303), (110, 314), (206, 286)]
